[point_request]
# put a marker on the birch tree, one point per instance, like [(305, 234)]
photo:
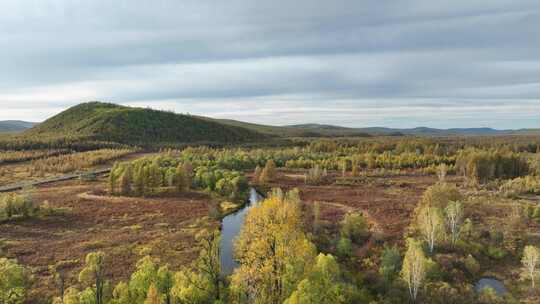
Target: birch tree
[(430, 223), (454, 219), (414, 267), (531, 256), (442, 170)]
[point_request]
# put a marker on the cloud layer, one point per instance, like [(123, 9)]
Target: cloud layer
[(355, 63)]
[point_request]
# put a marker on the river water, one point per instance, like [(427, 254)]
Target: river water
[(230, 228), (495, 284)]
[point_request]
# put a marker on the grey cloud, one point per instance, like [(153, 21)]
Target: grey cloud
[(409, 54)]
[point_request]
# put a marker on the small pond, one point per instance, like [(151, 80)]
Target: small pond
[(493, 283), (230, 228)]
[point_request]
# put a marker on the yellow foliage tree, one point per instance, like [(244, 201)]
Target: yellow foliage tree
[(268, 173), (414, 267), (431, 225), (153, 296), (531, 258), (440, 194), (273, 252), (93, 274)]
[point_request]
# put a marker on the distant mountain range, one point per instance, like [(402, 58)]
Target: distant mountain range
[(419, 131), (106, 122), (15, 125)]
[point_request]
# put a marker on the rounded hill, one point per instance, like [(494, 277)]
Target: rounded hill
[(108, 122)]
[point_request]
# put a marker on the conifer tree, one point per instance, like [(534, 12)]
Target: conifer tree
[(126, 180), (140, 181), (182, 179), (113, 176)]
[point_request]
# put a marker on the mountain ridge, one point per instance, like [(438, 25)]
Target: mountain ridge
[(15, 125), (427, 131)]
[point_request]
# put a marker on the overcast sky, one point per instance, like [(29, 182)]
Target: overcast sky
[(460, 63)]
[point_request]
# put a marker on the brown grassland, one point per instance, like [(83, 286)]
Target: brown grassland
[(126, 228)]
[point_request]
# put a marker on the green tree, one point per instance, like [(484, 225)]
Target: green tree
[(472, 265), (122, 294), (209, 262), (13, 282), (354, 226), (154, 176), (322, 286), (182, 178), (440, 194), (142, 278), (93, 274), (390, 263), (113, 178), (165, 283), (140, 181), (190, 287), (467, 229), (201, 283), (126, 180), (344, 248)]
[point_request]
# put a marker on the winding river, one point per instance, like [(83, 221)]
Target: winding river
[(230, 228)]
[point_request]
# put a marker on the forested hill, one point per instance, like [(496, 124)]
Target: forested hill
[(15, 125), (97, 121)]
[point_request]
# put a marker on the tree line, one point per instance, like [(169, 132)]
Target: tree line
[(155, 175), (77, 161)]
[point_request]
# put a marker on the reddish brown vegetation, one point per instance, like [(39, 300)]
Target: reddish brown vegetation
[(125, 228), (389, 201)]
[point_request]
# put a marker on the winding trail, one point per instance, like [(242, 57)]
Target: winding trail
[(18, 186), (102, 169)]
